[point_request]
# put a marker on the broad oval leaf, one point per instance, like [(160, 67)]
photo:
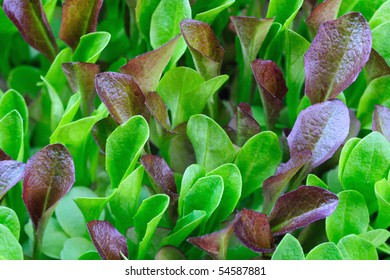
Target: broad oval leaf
[(49, 175), (320, 129), (354, 247), (79, 17), (11, 135), (11, 172), (75, 247), (10, 249), (301, 207), (108, 241), (336, 56), (288, 249), (382, 192), (325, 251), (381, 120), (10, 220), (380, 16)]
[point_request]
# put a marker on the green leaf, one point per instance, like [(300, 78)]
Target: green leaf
[(313, 180), (90, 255), (11, 135), (143, 12), (56, 109), (377, 236), (91, 46), (325, 251), (381, 15), (24, 79), (288, 249), (211, 143), (170, 253), (92, 207), (211, 9), (9, 219), (75, 247), (343, 221), (284, 11), (10, 249), (258, 160), (382, 192), (124, 146), (354, 247), (345, 153), (147, 219)]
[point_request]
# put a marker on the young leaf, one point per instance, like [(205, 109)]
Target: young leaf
[(102, 130), (313, 180), (11, 135), (354, 247), (107, 240), (284, 11), (343, 220), (158, 110), (208, 11), (336, 56), (377, 237), (124, 146), (325, 251), (13, 100), (90, 47), (11, 172), (324, 12), (49, 175), (301, 207), (30, 19), (288, 249), (10, 249), (79, 17), (382, 192), (9, 219), (376, 67), (143, 12), (211, 143), (272, 87), (92, 207), (205, 48), (320, 129), (258, 160), (75, 247), (380, 16), (253, 230), (381, 121), (146, 69)]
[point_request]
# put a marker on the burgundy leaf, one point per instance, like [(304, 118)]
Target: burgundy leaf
[(275, 185), (336, 56), (324, 12), (4, 156), (121, 95), (253, 230), (205, 48), (161, 175), (30, 18), (101, 130), (147, 68), (300, 208), (81, 77), (272, 87), (320, 129), (354, 125), (381, 120), (376, 67), (79, 17), (11, 172), (49, 175), (158, 109), (110, 244)]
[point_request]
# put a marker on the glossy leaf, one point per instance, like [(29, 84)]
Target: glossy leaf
[(11, 134), (146, 69), (320, 129), (258, 160), (354, 247), (284, 11), (382, 192), (212, 145), (10, 249), (288, 249), (123, 148), (343, 220), (121, 95), (92, 208), (107, 240), (91, 46), (381, 121), (10, 220), (325, 251), (31, 21), (324, 12), (11, 172), (301, 207), (336, 56), (205, 48), (79, 17)]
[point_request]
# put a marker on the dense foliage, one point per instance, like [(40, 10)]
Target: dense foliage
[(194, 129)]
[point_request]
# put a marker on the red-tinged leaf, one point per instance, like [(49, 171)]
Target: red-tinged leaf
[(11, 172), (161, 175), (158, 109), (121, 95), (324, 12), (251, 31), (205, 48), (101, 130), (49, 175), (354, 125), (147, 68), (30, 18), (320, 129), (4, 156), (275, 185), (300, 208), (81, 77), (244, 124), (253, 230), (110, 244), (79, 17), (336, 56), (272, 87), (376, 67), (381, 120)]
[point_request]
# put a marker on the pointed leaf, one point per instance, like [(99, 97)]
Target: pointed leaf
[(301, 207), (92, 207), (320, 129), (205, 48), (121, 95), (336, 56), (90, 47), (11, 172), (288, 249), (30, 18), (79, 17), (324, 12), (381, 120), (147, 68), (49, 175), (208, 11), (253, 230), (376, 67), (284, 11), (108, 241)]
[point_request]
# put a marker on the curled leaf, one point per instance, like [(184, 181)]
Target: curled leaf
[(11, 172), (108, 241)]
